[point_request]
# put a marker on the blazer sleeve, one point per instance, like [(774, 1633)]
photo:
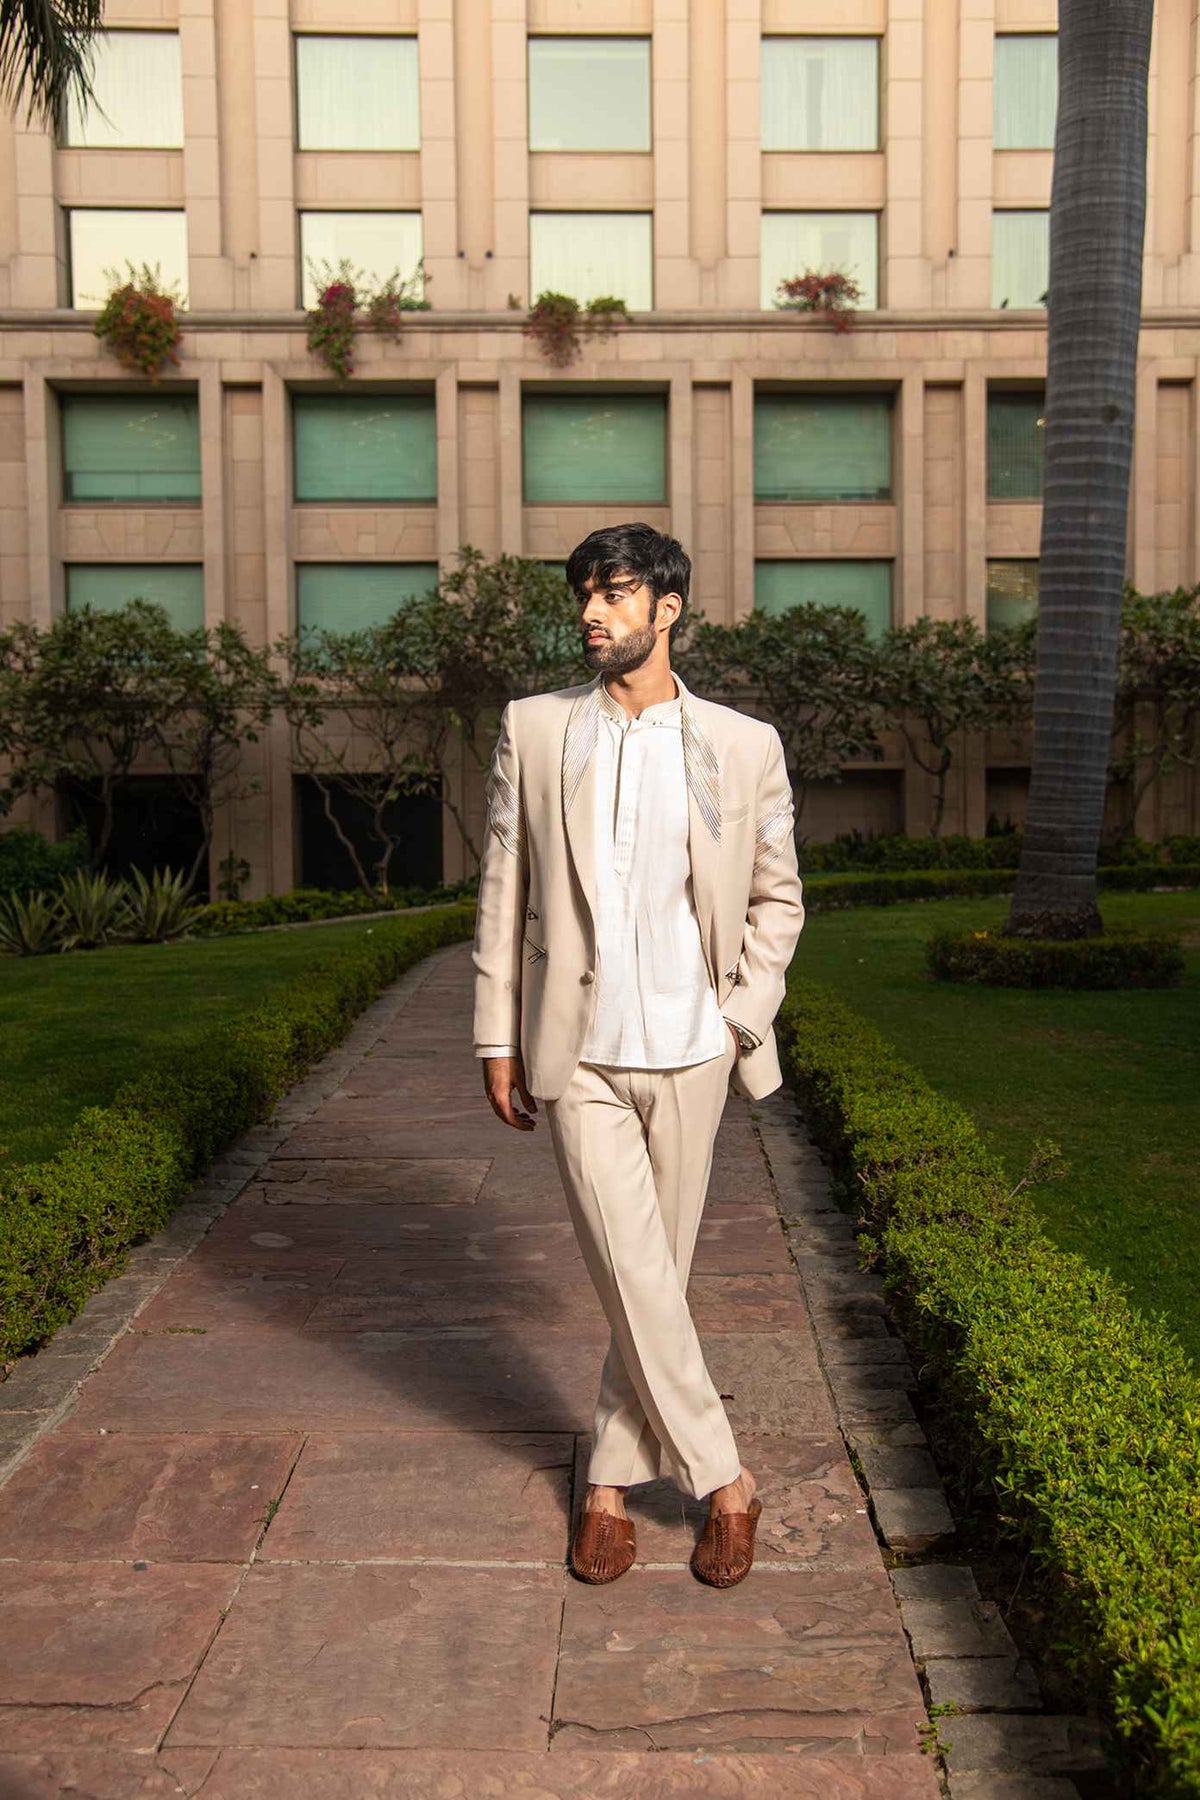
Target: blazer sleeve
[(775, 913), (503, 889)]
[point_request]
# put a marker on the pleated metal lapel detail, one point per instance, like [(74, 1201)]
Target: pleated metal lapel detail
[(702, 770), (579, 744)]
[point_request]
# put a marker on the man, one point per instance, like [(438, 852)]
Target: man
[(639, 904)]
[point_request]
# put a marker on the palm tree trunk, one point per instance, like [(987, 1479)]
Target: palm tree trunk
[(1097, 216)]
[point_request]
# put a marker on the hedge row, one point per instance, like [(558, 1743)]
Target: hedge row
[(1117, 959), (302, 905), (825, 893), (66, 1224), (896, 851), (1083, 1413)]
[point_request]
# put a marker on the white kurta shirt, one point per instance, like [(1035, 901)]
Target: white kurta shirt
[(655, 1005)]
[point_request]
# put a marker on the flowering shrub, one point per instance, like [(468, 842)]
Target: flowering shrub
[(558, 324), (331, 328), (346, 299), (137, 321), (833, 294)]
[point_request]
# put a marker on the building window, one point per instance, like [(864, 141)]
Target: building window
[(355, 596), (603, 449), (590, 254), (1012, 592), (357, 93), (589, 93), (820, 93), (139, 94), (375, 242), (368, 447), (122, 447), (103, 238), (1020, 258), (1025, 91), (106, 587), (865, 586), (846, 242), (822, 447), (1016, 430)]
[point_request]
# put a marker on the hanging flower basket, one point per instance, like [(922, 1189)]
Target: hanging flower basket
[(833, 294), (345, 301), (138, 321), (558, 324)]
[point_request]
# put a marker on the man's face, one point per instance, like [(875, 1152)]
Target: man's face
[(616, 622)]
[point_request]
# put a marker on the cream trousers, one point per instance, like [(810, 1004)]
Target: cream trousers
[(634, 1149)]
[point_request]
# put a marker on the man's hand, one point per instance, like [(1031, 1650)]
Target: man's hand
[(501, 1074)]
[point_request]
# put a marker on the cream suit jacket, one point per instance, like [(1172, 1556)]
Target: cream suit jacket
[(535, 942)]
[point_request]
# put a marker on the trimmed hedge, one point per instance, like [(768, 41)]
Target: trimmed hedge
[(824, 893), (66, 1224), (1118, 959), (302, 905), (895, 851), (1083, 1414)]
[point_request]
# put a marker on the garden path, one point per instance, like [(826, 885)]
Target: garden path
[(303, 1529)]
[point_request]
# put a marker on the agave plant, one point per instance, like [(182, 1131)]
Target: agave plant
[(30, 924), (95, 910), (159, 907)]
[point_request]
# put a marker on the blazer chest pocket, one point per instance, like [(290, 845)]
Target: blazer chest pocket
[(733, 815)]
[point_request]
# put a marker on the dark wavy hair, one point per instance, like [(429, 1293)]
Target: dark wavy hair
[(636, 549)]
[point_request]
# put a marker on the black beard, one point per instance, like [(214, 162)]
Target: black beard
[(618, 659)]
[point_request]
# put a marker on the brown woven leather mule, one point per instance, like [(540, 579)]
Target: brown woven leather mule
[(603, 1548), (725, 1553)]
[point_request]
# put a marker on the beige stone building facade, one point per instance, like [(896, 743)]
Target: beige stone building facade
[(686, 157)]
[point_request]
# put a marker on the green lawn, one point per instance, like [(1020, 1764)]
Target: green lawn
[(1113, 1077), (77, 1026)]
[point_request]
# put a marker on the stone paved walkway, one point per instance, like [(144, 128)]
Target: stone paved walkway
[(303, 1530)]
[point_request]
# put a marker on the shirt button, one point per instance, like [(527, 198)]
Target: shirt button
[(587, 976)]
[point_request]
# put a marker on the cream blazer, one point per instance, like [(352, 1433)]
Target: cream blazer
[(535, 940)]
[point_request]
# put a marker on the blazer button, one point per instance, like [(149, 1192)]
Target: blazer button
[(587, 976)]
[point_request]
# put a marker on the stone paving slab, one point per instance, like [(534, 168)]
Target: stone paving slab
[(396, 1181), (94, 1653), (814, 1515), (463, 1775), (379, 1655), (302, 1526), (495, 1497), (155, 1499), (794, 1657)]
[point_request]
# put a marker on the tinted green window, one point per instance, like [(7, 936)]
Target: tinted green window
[(866, 586), (1015, 434), (1012, 591), (127, 448), (605, 448), (106, 587), (835, 447), (353, 596), (365, 447)]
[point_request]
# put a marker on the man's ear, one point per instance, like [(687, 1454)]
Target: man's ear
[(674, 606)]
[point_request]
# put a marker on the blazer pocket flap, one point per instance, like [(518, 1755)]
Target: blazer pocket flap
[(732, 815)]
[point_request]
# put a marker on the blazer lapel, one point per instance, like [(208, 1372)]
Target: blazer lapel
[(702, 770), (580, 742)]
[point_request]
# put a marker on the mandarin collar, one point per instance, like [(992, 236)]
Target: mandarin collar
[(663, 712)]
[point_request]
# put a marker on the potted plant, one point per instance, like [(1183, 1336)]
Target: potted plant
[(138, 320), (831, 293), (558, 324)]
